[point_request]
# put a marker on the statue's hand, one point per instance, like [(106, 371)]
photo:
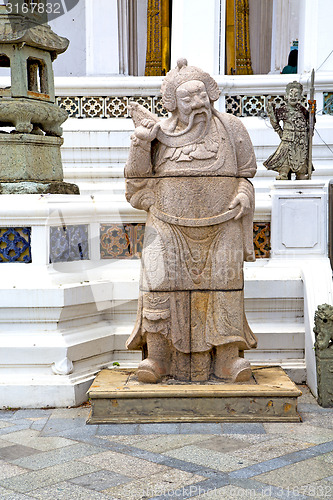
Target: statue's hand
[(244, 202), (147, 131)]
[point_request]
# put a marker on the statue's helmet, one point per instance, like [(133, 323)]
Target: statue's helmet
[(294, 85), (182, 74)]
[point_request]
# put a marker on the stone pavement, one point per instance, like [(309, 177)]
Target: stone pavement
[(53, 454)]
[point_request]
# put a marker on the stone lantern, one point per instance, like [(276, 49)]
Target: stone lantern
[(30, 153)]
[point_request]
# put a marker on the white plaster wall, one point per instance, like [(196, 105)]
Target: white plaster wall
[(195, 33), (142, 36), (325, 39), (72, 25), (102, 37), (285, 29), (316, 36)]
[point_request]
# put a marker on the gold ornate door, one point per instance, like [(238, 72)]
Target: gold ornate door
[(158, 37), (238, 54)]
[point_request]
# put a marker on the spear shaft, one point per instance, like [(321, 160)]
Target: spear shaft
[(312, 111)]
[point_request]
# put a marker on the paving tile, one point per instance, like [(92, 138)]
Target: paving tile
[(9, 470), (38, 424), (4, 443), (12, 452), (322, 489), (267, 491), (4, 424), (124, 464), (230, 492), (223, 444), (327, 457), (159, 428), (250, 428), (202, 428), (167, 483), (22, 414), (39, 479), (57, 456), (55, 425), (81, 412), (270, 449), (79, 433), (131, 439), (260, 468), (319, 419), (100, 480), (12, 495), (31, 438), (297, 474), (117, 429), (209, 458), (312, 408), (7, 414), (15, 428), (185, 466), (307, 396), (169, 442), (303, 432), (66, 491)]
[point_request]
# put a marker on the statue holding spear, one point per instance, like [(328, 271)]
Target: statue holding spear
[(294, 153)]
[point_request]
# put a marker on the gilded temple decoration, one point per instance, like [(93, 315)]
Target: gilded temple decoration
[(238, 54), (158, 38)]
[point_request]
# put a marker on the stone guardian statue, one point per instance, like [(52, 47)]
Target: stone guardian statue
[(292, 155), (190, 173), (323, 331)]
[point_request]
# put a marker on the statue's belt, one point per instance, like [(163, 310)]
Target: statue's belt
[(205, 221)]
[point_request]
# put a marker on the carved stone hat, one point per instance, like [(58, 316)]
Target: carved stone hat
[(296, 85), (182, 74)]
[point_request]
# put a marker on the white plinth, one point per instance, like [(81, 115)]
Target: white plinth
[(299, 219), (299, 241), (58, 322)]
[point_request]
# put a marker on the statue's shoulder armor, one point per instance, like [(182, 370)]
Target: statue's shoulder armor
[(241, 143)]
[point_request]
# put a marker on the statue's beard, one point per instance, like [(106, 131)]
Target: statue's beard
[(198, 125), (197, 116)]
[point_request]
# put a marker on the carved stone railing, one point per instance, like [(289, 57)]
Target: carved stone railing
[(242, 95)]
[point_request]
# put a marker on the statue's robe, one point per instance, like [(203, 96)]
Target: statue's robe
[(293, 150), (191, 286)]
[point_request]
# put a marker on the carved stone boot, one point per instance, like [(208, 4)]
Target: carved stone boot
[(152, 369), (229, 366)]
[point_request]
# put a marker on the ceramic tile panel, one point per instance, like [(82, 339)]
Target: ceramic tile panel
[(121, 241), (69, 243), (15, 244), (262, 239), (328, 103), (125, 241)]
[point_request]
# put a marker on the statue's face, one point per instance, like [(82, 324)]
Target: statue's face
[(192, 98), (294, 96)]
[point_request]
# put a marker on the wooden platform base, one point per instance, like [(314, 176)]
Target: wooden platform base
[(118, 397)]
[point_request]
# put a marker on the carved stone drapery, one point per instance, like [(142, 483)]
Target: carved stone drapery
[(158, 38)]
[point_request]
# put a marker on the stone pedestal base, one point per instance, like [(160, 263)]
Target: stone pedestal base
[(31, 164), (324, 360), (117, 397), (35, 187)]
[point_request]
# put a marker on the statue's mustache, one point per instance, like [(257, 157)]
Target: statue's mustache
[(184, 136)]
